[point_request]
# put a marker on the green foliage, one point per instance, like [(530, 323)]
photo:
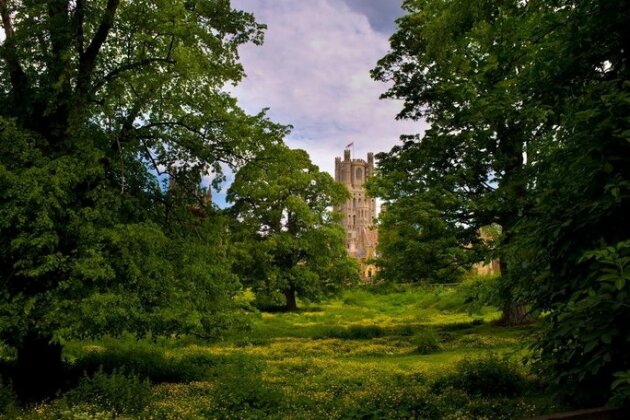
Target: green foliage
[(528, 106), (479, 291), (290, 242), (485, 377), (426, 341), (574, 242), (449, 65), (415, 245), (272, 301), (279, 369), (98, 103), (7, 398), (117, 392), (145, 358), (353, 332), (104, 263), (400, 404), (621, 388), (584, 343), (241, 391)]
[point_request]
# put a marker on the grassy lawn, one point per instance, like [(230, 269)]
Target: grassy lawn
[(363, 354)]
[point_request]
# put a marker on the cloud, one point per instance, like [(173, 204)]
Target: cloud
[(380, 13), (313, 73)]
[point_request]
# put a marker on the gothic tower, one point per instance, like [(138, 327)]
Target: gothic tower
[(359, 212)]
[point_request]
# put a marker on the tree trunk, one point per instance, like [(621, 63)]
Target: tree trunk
[(511, 312), (289, 294), (39, 368), (513, 187)]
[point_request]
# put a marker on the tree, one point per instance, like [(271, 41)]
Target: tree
[(528, 103), (415, 243), (572, 248), (96, 100), (292, 242), (455, 65)]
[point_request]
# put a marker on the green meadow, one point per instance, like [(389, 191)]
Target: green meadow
[(405, 353)]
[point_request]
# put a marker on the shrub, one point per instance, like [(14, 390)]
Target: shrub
[(7, 398), (476, 341), (583, 349), (478, 291), (621, 389), (398, 403), (426, 341), (354, 332), (116, 392), (146, 359), (240, 389), (495, 409), (483, 377), (269, 302)]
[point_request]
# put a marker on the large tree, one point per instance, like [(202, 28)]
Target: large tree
[(97, 100), (292, 242), (528, 105), (572, 250), (454, 64)]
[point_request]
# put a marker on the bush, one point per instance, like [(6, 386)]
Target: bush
[(240, 389), (270, 302), (405, 403), (621, 389), (583, 349), (426, 342), (354, 332), (116, 392), (146, 359), (484, 377), (7, 398)]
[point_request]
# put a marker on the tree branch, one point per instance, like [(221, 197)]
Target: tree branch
[(7, 23), (8, 51), (88, 58), (79, 15), (127, 67)]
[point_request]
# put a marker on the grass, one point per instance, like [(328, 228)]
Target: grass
[(380, 352)]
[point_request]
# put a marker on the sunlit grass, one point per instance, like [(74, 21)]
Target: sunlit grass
[(349, 351)]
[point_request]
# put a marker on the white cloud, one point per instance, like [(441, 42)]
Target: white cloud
[(313, 72)]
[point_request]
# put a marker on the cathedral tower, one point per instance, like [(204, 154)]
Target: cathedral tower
[(359, 212)]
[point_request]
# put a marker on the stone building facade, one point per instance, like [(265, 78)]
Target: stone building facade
[(359, 212)]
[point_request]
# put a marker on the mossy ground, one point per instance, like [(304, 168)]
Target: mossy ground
[(363, 354)]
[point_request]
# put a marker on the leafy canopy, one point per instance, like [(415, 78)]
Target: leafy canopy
[(292, 242), (99, 101)]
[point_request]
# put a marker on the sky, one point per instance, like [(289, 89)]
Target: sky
[(312, 72)]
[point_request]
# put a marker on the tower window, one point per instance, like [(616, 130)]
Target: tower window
[(358, 174)]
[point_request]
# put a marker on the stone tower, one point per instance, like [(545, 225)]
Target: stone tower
[(359, 212)]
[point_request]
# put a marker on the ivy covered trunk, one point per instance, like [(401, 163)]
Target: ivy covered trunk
[(39, 369)]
